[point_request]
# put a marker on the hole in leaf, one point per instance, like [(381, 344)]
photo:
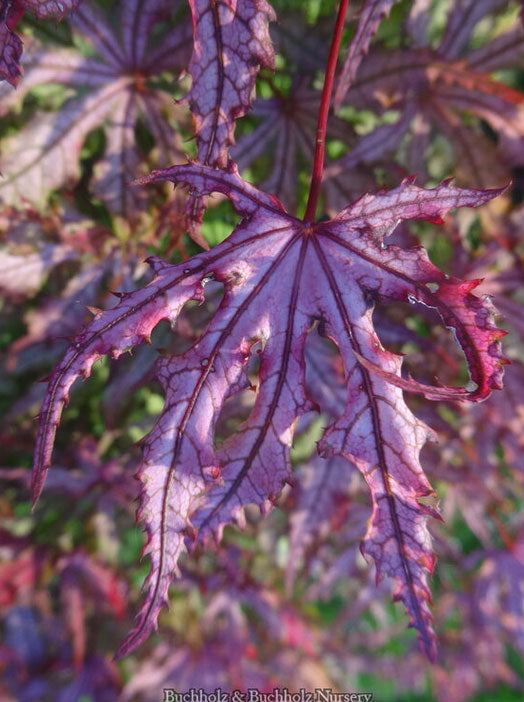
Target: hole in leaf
[(237, 408), (130, 375), (325, 377), (430, 348), (219, 220), (143, 136), (194, 317)]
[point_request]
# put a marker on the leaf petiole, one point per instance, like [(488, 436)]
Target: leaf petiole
[(325, 102)]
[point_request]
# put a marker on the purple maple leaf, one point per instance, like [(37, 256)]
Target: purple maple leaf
[(280, 274), (45, 155)]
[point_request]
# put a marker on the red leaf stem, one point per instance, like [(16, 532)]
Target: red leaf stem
[(320, 143)]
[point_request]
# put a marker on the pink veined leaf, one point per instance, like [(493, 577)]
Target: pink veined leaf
[(231, 43), (372, 13), (279, 275)]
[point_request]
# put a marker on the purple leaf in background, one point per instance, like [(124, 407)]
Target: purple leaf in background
[(463, 17), (45, 9), (372, 13), (118, 93), (10, 53), (440, 87), (23, 275), (287, 130), (323, 491)]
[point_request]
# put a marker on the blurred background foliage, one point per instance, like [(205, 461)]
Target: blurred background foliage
[(70, 572)]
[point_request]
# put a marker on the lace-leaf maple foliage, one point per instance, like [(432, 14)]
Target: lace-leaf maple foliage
[(280, 274)]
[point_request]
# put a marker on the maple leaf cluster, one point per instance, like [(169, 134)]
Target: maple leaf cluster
[(253, 331)]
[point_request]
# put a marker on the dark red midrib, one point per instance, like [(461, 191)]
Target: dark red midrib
[(46, 428), (220, 70), (180, 432), (377, 429), (131, 107), (135, 25), (94, 29), (507, 47), (426, 293), (463, 20), (281, 379), (284, 164)]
